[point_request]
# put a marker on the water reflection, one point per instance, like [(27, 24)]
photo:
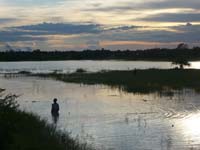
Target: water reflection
[(93, 66), (112, 118), (71, 66), (191, 126), (55, 118), (195, 64)]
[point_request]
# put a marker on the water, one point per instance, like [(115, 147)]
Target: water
[(92, 66), (112, 119)]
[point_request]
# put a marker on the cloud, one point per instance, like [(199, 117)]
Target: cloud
[(61, 28), (109, 9), (174, 17), (182, 33), (8, 47), (32, 2), (93, 44), (115, 45), (123, 28), (145, 5), (40, 31), (91, 35), (7, 20), (12, 35), (16, 47), (193, 4)]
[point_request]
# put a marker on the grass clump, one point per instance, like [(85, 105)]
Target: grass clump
[(141, 81), (80, 70), (25, 131)]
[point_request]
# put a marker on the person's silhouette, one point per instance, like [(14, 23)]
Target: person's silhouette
[(55, 110)]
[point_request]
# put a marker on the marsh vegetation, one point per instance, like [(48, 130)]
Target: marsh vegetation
[(141, 81)]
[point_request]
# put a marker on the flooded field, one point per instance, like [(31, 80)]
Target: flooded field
[(109, 118)]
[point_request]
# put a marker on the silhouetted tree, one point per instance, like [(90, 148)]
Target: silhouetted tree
[(181, 62), (182, 46)]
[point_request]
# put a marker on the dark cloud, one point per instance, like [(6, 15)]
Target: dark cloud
[(7, 20), (183, 33), (38, 31), (193, 4), (110, 9), (10, 47), (61, 28), (123, 28), (95, 33), (35, 32), (12, 36), (174, 17)]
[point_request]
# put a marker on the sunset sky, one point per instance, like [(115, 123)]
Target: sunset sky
[(113, 24)]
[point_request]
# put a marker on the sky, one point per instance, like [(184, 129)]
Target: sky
[(94, 24)]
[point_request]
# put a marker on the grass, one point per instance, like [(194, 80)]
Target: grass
[(141, 81), (25, 131)]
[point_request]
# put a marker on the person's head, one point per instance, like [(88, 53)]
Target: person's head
[(55, 100)]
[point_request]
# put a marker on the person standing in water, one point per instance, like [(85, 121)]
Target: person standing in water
[(55, 110)]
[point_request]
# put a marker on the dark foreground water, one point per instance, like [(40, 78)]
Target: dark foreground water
[(112, 119)]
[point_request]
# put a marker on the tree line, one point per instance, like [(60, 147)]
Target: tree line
[(156, 54)]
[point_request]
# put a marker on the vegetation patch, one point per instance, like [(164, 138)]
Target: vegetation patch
[(141, 81)]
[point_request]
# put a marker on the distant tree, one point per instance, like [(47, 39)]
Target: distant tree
[(196, 48), (182, 46), (181, 62), (37, 51), (188, 24)]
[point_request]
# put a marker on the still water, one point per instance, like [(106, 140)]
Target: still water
[(109, 118), (91, 66)]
